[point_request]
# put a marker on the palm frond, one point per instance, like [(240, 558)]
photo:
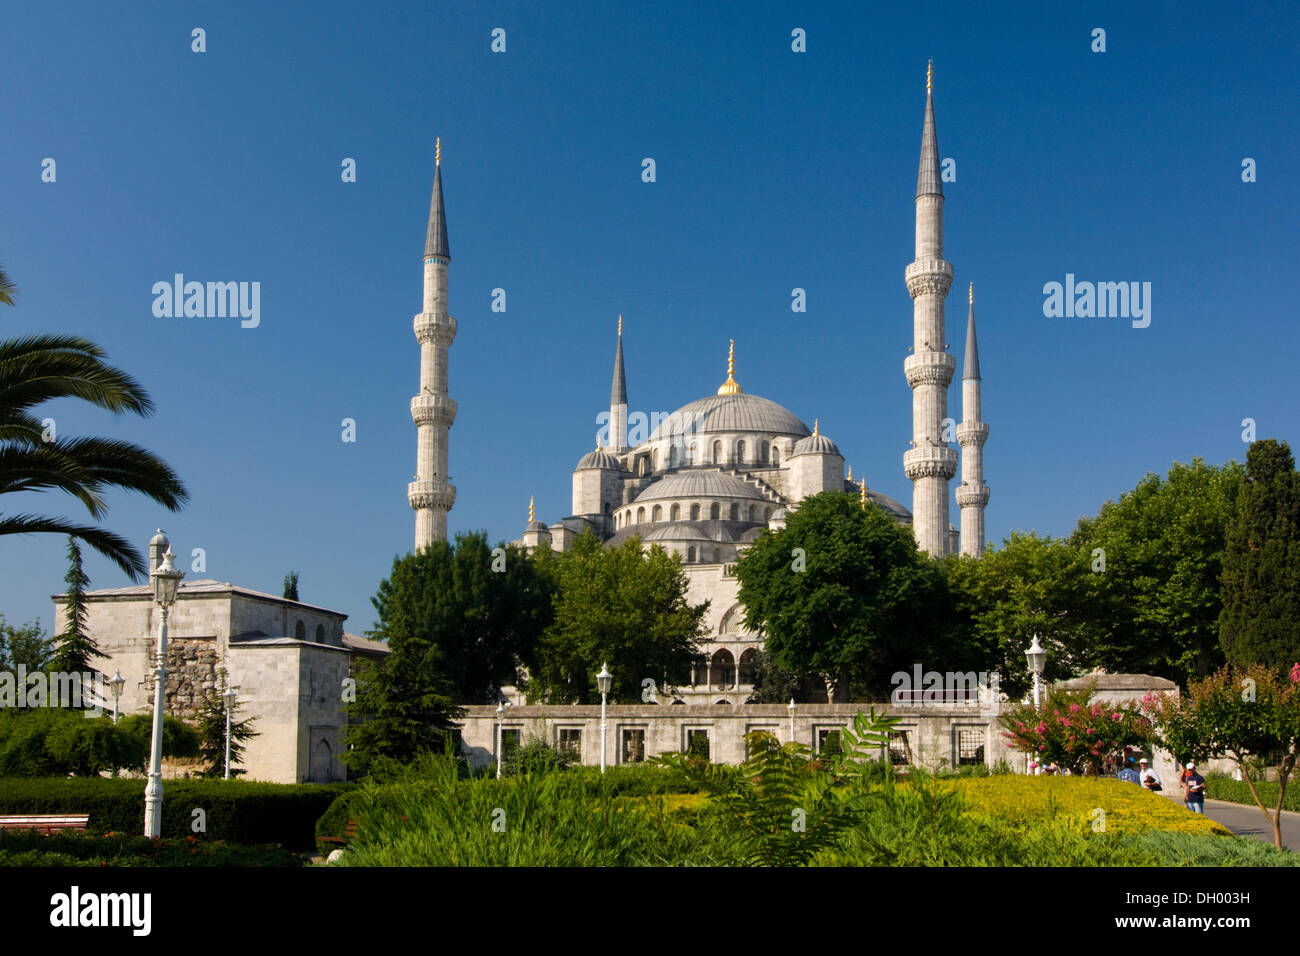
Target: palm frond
[(112, 546), (38, 368)]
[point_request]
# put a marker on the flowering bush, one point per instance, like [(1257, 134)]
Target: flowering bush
[(1072, 730)]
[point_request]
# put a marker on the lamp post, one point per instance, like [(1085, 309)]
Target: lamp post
[(229, 697), (1037, 659), (166, 579), (501, 709), (790, 708), (604, 680), (115, 684)]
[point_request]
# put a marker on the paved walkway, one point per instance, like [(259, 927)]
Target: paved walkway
[(1244, 819)]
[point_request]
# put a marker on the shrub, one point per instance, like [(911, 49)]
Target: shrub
[(1219, 786), (236, 811), (30, 848), (45, 741)]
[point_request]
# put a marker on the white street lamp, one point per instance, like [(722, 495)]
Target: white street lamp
[(115, 684), (604, 680), (166, 580), (790, 708), (229, 697), (1037, 659), (501, 709)]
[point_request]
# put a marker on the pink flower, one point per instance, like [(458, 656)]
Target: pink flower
[(1295, 673), (1074, 708), (1088, 731), (1116, 716), (1066, 722)]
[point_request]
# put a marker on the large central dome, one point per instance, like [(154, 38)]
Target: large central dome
[(731, 413)]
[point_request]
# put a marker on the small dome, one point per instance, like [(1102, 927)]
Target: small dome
[(599, 459), (536, 525), (700, 484), (160, 540), (815, 444)]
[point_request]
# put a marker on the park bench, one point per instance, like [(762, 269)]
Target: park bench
[(350, 832), (46, 822)]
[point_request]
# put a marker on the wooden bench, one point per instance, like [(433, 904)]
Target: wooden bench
[(350, 830), (45, 822)]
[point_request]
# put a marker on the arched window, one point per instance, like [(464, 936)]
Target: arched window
[(654, 460), (642, 463), (722, 669), (740, 452), (657, 514), (753, 512), (690, 554), (627, 518), (717, 452), (765, 452), (675, 513), (300, 631), (776, 455), (693, 454), (672, 456), (640, 515), (735, 512), (747, 666), (715, 512), (767, 514), (695, 512), (320, 633)]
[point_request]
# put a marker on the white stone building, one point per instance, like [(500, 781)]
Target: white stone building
[(287, 660)]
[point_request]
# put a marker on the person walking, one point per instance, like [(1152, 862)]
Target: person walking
[(1195, 785), (1150, 779), (1128, 774)]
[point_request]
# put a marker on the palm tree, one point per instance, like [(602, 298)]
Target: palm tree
[(38, 368)]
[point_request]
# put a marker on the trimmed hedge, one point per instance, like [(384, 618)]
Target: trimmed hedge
[(1218, 787), (237, 811)]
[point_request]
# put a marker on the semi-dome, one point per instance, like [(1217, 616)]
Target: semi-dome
[(730, 413), (672, 531), (699, 484), (599, 459)]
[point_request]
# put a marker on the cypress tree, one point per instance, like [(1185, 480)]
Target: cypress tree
[(1260, 621), (76, 648)]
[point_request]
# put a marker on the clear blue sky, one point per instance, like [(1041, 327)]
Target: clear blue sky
[(775, 170)]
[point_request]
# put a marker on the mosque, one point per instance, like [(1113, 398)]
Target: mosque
[(722, 468)]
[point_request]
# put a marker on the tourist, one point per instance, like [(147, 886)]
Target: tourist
[(1128, 774), (1195, 787), (1150, 779)]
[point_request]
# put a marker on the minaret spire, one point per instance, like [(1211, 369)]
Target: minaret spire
[(930, 463), (618, 399), (973, 494), (431, 496), (731, 386)]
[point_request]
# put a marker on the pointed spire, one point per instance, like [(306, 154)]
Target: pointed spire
[(731, 386), (532, 515), (850, 472), (435, 239), (618, 391), (972, 366), (928, 182), (862, 495), (817, 424)]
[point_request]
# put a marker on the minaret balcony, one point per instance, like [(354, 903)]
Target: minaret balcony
[(431, 494), (929, 367), (972, 433), (972, 495), (934, 461), (928, 276), (435, 328), (431, 409)]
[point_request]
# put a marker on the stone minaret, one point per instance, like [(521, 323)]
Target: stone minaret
[(973, 494), (618, 400), (930, 463), (430, 494)]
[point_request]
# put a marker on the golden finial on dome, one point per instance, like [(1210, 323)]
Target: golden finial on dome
[(437, 151), (730, 386), (972, 293), (862, 495), (929, 76), (850, 472), (816, 426), (531, 514)]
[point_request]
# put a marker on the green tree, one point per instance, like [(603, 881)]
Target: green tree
[(1243, 713), (291, 586), (774, 685), (212, 733), (24, 644), (471, 615), (619, 605), (1074, 730), (842, 591), (76, 648), (40, 368), (1260, 621), (1151, 597), (1031, 585)]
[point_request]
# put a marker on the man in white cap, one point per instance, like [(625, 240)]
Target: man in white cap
[(1195, 785), (1150, 779)]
